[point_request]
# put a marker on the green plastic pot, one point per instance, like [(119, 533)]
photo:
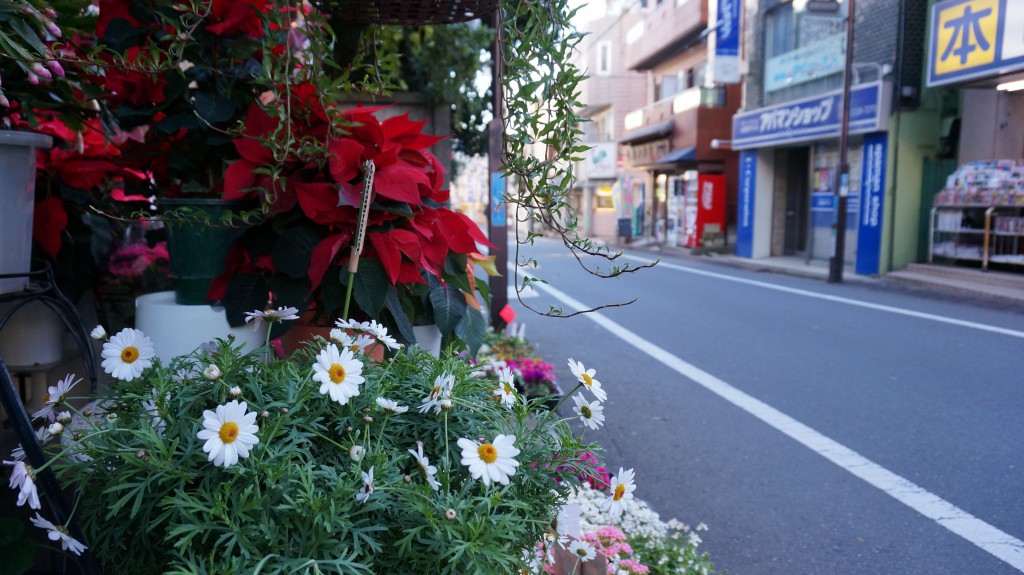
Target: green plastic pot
[(198, 246)]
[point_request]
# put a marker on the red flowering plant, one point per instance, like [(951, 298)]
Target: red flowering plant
[(419, 258)]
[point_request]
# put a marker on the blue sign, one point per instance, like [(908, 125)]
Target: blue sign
[(499, 210), (745, 210), (727, 36), (972, 39), (872, 200), (823, 202), (810, 118)]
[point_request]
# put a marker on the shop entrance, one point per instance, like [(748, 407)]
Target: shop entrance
[(789, 218)]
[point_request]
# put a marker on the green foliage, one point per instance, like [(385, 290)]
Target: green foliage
[(17, 551), (151, 502)]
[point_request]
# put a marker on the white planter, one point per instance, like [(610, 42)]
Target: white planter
[(17, 196), (179, 329), (33, 336), (428, 337)]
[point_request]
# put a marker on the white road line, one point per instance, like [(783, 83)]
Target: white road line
[(837, 299), (991, 539)]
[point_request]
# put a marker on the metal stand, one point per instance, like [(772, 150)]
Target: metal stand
[(42, 288)]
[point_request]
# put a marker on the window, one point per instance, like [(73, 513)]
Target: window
[(604, 58), (668, 86), (779, 31)]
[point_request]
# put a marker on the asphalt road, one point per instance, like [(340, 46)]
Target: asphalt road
[(815, 428)]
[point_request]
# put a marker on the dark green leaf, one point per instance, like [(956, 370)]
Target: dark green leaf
[(214, 108), (292, 253), (401, 319), (449, 306), (370, 288), (471, 329), (245, 292)]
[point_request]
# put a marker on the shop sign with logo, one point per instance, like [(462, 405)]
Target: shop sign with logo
[(499, 209), (812, 62), (812, 118), (972, 39), (872, 200), (745, 215), (648, 152), (599, 161), (725, 68)]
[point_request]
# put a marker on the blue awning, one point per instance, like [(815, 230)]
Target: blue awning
[(682, 155)]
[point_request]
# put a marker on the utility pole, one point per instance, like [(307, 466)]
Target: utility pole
[(835, 268)]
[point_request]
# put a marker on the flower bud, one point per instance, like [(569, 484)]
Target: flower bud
[(53, 29), (140, 453), (32, 79), (450, 514), (98, 333), (367, 419), (284, 410), (264, 414), (4, 102), (64, 417), (235, 391), (50, 13), (55, 67), (356, 453), (446, 404), (212, 372), (407, 479), (111, 417), (41, 71), (55, 429)]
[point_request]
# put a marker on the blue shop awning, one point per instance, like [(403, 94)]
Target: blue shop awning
[(649, 133), (682, 155)]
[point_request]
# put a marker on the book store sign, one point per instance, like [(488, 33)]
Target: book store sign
[(975, 39), (812, 118)]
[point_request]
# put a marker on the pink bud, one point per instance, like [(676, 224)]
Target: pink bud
[(53, 29), (33, 79), (4, 102), (40, 71), (50, 13), (55, 67)]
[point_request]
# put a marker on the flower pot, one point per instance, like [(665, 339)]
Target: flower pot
[(34, 335), (428, 337), (178, 329), (198, 246), (17, 195)]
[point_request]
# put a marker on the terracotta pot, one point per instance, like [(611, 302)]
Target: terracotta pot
[(299, 333)]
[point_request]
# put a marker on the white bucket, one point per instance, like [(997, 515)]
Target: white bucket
[(180, 329), (17, 196)]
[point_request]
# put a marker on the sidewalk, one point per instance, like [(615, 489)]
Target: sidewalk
[(995, 287)]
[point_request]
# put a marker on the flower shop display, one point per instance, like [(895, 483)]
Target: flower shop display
[(403, 464), (534, 377)]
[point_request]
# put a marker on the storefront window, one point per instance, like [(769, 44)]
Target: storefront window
[(824, 181)]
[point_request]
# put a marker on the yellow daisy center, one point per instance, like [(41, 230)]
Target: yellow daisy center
[(620, 490), (585, 410), (337, 373), (129, 354), (434, 392), (508, 389), (587, 381), (228, 432), (488, 453), (355, 347)]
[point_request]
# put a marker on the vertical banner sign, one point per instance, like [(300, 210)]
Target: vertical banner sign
[(872, 200), (726, 67), (745, 211), (499, 209)]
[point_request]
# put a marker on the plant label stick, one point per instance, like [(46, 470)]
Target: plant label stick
[(369, 168)]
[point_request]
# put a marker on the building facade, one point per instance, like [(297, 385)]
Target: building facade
[(668, 141), (788, 130)]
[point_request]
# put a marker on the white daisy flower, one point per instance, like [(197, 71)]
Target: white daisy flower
[(367, 489), (271, 315), (64, 417), (98, 333), (490, 461), (212, 372), (355, 453), (391, 406), (585, 551), (153, 411), (230, 433), (22, 478), (127, 354), (235, 391), (428, 470), (381, 333), (443, 385), (18, 454), (339, 337), (57, 533), (591, 414), (338, 372), (55, 429), (360, 343), (353, 324), (506, 391), (55, 395), (622, 488), (586, 377)]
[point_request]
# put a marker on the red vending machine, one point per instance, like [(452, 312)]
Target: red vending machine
[(705, 207)]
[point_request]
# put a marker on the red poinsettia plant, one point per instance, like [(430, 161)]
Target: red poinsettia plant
[(307, 162)]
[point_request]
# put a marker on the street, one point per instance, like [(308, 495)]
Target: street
[(815, 428)]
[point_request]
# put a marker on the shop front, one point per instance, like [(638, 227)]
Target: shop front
[(977, 219), (789, 160)]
